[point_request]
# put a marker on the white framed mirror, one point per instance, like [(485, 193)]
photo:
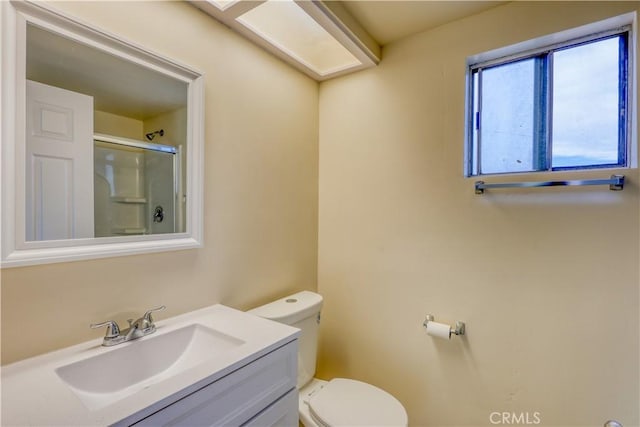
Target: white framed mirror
[(102, 143)]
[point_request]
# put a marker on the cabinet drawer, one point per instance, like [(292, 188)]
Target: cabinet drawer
[(283, 413), (237, 397)]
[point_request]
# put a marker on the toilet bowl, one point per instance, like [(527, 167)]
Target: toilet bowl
[(340, 401), (345, 402)]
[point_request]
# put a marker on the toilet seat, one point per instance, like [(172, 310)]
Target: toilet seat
[(344, 402)]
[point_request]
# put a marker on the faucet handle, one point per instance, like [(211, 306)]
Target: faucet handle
[(113, 330), (147, 315)]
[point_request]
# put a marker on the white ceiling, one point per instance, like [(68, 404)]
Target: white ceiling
[(391, 20)]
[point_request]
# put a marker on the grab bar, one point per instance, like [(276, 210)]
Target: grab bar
[(615, 183)]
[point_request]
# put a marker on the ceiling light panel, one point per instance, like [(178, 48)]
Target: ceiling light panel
[(318, 37), (289, 28)]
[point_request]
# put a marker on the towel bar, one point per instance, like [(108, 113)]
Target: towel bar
[(615, 183)]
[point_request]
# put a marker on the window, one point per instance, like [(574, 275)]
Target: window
[(559, 107)]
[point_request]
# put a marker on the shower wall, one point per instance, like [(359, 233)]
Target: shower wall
[(161, 192), (119, 197), (129, 185)]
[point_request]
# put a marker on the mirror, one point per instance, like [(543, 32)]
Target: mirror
[(103, 154)]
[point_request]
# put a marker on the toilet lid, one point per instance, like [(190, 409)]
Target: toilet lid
[(343, 402)]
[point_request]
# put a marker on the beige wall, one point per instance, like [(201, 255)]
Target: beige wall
[(113, 124), (174, 125), (260, 206), (546, 279)]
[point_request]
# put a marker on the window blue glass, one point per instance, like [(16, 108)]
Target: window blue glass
[(507, 126), (586, 104)]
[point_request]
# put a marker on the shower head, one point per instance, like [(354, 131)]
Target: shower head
[(152, 135)]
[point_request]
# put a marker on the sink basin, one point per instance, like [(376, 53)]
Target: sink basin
[(128, 368)]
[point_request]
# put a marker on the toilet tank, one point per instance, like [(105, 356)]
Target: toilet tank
[(302, 311)]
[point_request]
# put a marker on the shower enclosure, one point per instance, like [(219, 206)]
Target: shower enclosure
[(136, 187)]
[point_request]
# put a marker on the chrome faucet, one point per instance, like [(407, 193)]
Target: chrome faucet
[(137, 329)]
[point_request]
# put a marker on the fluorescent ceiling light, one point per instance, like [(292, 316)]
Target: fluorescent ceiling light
[(289, 28), (318, 37)]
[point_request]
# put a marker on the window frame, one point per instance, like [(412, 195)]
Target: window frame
[(542, 51)]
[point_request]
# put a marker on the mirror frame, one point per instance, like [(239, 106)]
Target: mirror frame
[(16, 251)]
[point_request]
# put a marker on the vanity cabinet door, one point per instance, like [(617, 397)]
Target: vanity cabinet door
[(236, 398), (283, 413)]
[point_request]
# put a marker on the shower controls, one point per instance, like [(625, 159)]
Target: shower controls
[(158, 214)]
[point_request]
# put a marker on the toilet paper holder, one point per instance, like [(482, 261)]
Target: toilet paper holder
[(459, 328)]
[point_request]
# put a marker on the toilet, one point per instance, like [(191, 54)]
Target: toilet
[(340, 401)]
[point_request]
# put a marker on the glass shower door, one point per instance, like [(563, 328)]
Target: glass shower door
[(135, 187)]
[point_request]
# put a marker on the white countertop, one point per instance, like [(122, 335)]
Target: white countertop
[(34, 395)]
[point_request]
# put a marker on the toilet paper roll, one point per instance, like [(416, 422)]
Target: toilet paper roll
[(439, 330)]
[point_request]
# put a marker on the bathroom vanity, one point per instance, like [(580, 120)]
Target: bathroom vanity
[(214, 366)]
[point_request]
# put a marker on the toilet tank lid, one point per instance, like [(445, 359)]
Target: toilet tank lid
[(290, 309)]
